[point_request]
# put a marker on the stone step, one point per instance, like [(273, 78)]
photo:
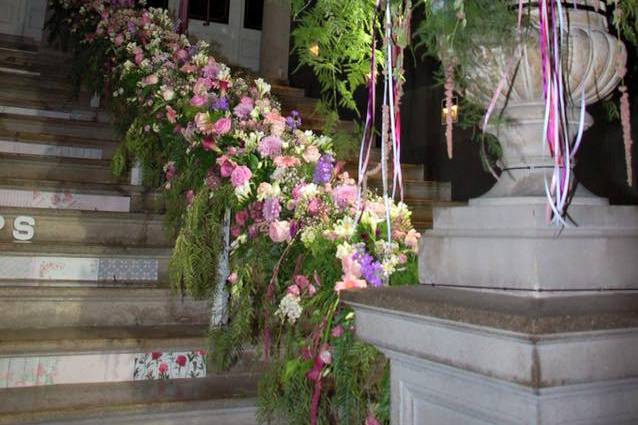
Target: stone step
[(38, 167), (57, 356), (18, 124), (44, 109), (417, 189), (81, 262), (24, 305), (41, 95), (11, 77), (409, 171), (53, 194), (91, 227), (288, 91), (214, 400), (61, 146)]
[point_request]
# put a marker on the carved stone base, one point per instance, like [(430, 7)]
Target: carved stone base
[(510, 244), (466, 357)]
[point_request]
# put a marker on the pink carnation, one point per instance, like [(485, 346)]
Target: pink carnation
[(240, 175), (270, 146), (245, 107)]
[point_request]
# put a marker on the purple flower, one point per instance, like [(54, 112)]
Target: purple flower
[(221, 104), (245, 107), (271, 209), (294, 120), (323, 170), (371, 270)]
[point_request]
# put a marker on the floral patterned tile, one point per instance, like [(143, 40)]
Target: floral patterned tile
[(170, 365)]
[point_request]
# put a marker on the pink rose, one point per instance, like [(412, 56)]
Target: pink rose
[(226, 165), (301, 281), (337, 331), (312, 290), (311, 154), (240, 175), (222, 126), (294, 290), (199, 100), (279, 231)]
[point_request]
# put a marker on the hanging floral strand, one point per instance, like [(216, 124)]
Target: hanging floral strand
[(625, 115)]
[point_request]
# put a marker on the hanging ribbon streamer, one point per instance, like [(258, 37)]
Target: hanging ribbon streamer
[(391, 121), (556, 137)]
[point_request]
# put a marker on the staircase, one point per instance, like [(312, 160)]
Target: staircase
[(89, 330), (420, 195)]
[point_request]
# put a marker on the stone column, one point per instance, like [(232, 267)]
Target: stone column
[(275, 41), (517, 321)]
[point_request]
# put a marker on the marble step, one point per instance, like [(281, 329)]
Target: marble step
[(37, 125), (81, 262), (214, 400), (38, 167), (29, 304), (417, 189), (79, 355), (52, 145), (90, 227), (83, 196)]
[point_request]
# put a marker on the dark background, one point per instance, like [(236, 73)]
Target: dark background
[(601, 159)]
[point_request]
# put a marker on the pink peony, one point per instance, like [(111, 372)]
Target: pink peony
[(226, 165), (350, 282), (294, 290), (240, 175), (279, 231), (270, 146), (222, 126)]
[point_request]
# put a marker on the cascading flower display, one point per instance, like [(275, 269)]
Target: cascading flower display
[(223, 144)]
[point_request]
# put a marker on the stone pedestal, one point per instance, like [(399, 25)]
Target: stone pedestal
[(529, 323), (467, 357), (275, 41)]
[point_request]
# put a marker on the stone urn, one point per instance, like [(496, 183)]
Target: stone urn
[(591, 55)]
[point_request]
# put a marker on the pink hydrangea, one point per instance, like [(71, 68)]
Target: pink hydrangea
[(270, 146), (344, 195), (244, 108), (240, 175)]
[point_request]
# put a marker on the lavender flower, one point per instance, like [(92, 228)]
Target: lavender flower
[(370, 270), (323, 170)]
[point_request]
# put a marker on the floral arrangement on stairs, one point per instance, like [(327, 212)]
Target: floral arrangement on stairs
[(302, 230)]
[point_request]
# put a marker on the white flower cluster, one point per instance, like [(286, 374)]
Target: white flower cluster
[(289, 308)]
